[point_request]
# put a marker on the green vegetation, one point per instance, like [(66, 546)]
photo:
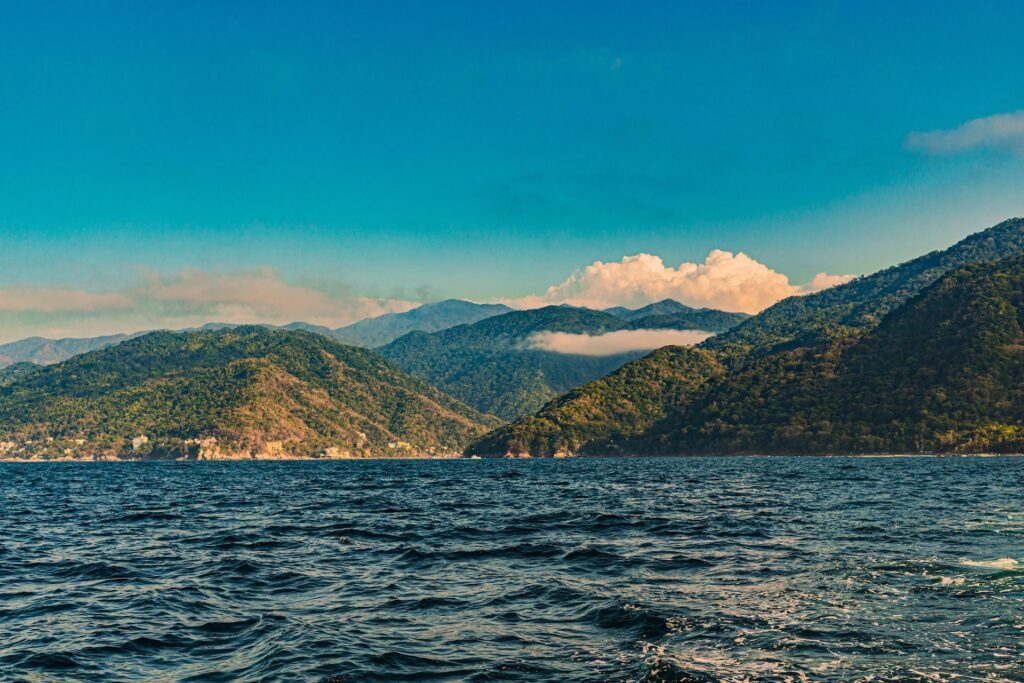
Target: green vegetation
[(669, 313), (12, 373), (942, 373), (492, 366), (255, 391), (601, 417), (859, 305), (705, 319)]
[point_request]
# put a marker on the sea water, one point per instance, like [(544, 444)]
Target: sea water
[(710, 569)]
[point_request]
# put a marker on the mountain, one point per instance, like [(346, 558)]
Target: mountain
[(427, 318), (860, 305), (942, 373), (667, 307), (706, 319), (663, 307), (492, 366), (231, 393), (670, 314), (602, 416), (495, 366), (43, 351)]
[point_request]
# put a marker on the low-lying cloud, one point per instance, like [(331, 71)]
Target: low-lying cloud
[(262, 296), (186, 299), (1001, 131), (611, 343), (727, 281), (52, 300)]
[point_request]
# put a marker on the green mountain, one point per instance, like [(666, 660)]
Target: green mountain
[(706, 319), (602, 417), (427, 318), (492, 366), (860, 305), (943, 373), (683, 317), (240, 392)]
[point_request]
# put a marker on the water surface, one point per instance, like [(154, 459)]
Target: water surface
[(767, 569)]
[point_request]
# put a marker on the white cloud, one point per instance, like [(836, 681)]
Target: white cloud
[(824, 281), (611, 343), (44, 300), (1004, 131), (727, 281)]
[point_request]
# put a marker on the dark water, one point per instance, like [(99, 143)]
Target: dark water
[(761, 569)]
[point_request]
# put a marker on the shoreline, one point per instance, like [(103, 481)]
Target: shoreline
[(594, 457)]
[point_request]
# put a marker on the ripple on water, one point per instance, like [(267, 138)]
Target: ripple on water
[(733, 569)]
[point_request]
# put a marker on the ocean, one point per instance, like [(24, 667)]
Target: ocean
[(673, 569)]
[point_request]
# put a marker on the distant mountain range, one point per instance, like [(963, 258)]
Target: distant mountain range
[(241, 392), (371, 332), (926, 356), (43, 351), (708, 319), (492, 365), (427, 318)]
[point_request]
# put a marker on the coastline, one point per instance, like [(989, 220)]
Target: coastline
[(593, 457)]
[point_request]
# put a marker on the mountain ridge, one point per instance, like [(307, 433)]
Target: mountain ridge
[(241, 392), (770, 400)]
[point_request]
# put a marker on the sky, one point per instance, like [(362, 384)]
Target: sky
[(170, 163)]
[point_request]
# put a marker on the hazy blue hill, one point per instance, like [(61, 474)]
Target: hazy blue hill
[(491, 366), (861, 304), (42, 351), (427, 318), (943, 372), (255, 390)]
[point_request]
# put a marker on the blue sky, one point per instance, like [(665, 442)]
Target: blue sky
[(414, 150)]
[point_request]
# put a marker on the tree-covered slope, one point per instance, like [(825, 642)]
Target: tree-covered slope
[(601, 417), (944, 372), (492, 366), (254, 390), (706, 319), (861, 304), (12, 373)]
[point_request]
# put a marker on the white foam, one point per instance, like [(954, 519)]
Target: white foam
[(1001, 563)]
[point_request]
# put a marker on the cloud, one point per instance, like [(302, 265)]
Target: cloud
[(611, 343), (44, 300), (262, 296), (186, 299), (1002, 131), (727, 281), (824, 281)]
